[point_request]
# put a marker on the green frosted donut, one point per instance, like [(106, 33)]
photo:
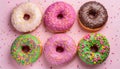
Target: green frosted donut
[(26, 49), (93, 48)]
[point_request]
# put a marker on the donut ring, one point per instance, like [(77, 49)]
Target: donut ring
[(92, 16), (26, 17), (59, 17), (93, 48), (59, 49), (26, 49)]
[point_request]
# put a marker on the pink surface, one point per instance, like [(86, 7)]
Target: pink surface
[(8, 34)]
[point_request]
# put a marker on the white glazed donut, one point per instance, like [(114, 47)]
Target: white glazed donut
[(26, 17)]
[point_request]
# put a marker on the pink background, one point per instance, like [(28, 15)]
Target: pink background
[(8, 34)]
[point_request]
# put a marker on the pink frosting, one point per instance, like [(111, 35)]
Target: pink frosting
[(59, 40), (55, 24)]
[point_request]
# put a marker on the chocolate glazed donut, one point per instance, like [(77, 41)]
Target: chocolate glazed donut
[(92, 16)]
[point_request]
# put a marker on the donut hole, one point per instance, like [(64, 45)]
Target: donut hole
[(94, 48), (60, 16), (26, 17), (59, 49), (25, 49), (93, 13)]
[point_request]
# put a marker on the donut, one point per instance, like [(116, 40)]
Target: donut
[(26, 49), (59, 17), (26, 17), (93, 48), (92, 16), (59, 49)]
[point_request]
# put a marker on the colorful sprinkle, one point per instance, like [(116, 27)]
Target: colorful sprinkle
[(94, 47), (26, 49)]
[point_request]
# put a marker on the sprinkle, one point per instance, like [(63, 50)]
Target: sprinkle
[(90, 58), (92, 54), (8, 1), (27, 63), (87, 37), (102, 51), (101, 42), (95, 59), (83, 55), (106, 26), (110, 60), (41, 64), (103, 47), (50, 67), (77, 66), (98, 58), (78, 47), (83, 46), (94, 62), (86, 52), (95, 38), (97, 35), (112, 53)]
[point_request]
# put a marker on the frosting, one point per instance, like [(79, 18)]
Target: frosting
[(93, 15), (59, 17), (93, 48), (59, 49), (26, 49), (26, 17)]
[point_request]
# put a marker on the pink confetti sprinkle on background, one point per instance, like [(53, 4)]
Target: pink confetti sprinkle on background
[(8, 34)]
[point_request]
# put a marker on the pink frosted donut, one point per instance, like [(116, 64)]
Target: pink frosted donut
[(59, 17), (59, 49)]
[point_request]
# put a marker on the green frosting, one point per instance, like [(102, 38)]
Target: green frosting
[(26, 49), (93, 48)]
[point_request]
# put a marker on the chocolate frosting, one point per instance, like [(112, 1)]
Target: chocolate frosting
[(93, 15)]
